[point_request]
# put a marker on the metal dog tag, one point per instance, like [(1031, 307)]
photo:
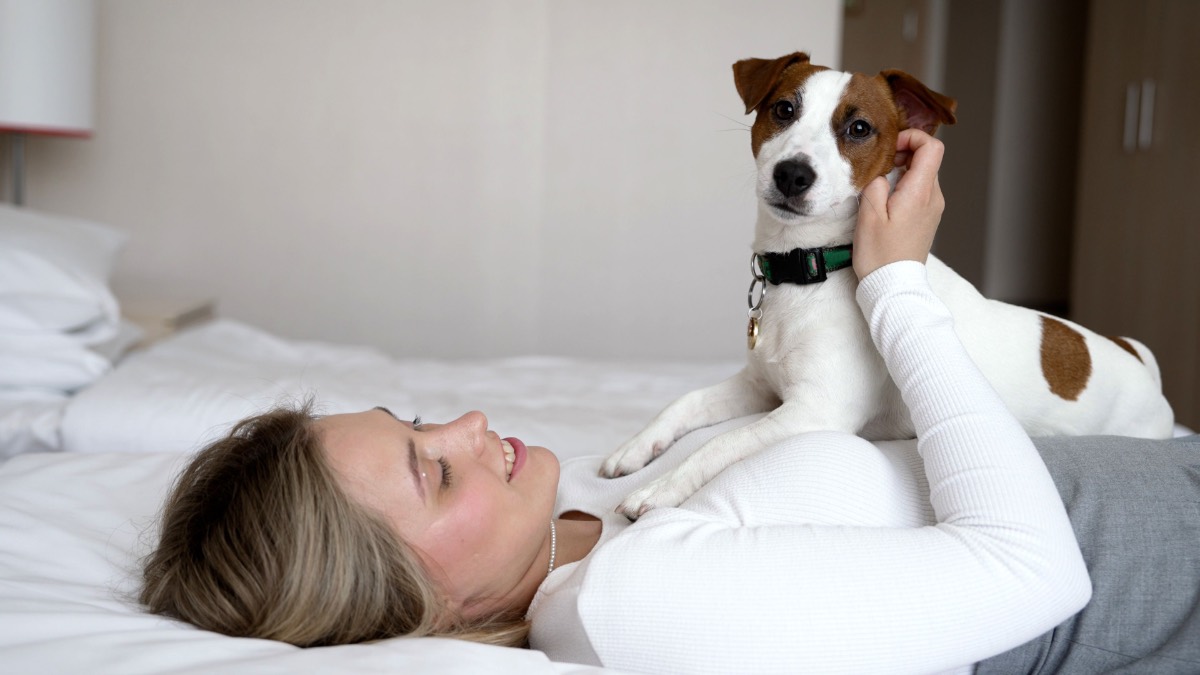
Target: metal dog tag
[(755, 305)]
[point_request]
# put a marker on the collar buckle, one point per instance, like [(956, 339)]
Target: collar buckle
[(804, 265)]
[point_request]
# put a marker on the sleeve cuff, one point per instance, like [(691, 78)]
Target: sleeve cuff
[(896, 276)]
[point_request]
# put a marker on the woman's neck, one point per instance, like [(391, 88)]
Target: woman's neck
[(577, 536)]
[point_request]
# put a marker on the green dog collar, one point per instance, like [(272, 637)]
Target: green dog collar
[(804, 265)]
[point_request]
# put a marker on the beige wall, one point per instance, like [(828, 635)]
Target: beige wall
[(468, 178)]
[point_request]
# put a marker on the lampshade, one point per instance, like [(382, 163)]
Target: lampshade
[(47, 48)]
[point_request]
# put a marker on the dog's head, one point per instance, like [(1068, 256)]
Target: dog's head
[(821, 135)]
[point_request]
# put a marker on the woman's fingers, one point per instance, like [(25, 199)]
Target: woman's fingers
[(869, 252), (910, 139), (901, 226), (873, 204), (924, 163)]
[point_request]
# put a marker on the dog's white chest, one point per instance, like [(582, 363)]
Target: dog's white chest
[(804, 327)]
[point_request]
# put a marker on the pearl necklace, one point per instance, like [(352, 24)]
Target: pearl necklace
[(553, 547)]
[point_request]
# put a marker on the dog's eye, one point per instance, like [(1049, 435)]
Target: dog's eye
[(784, 110), (859, 129)]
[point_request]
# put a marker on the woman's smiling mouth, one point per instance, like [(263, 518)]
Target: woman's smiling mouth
[(515, 453)]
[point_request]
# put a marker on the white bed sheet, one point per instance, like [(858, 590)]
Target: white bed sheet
[(189, 389), (30, 421), (72, 528)]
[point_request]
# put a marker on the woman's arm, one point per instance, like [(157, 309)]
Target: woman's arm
[(687, 591)]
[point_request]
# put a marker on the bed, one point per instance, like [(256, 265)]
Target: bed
[(93, 431), (74, 523)]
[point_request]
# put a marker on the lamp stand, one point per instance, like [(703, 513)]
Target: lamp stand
[(16, 170)]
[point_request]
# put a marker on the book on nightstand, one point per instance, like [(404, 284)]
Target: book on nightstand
[(160, 317)]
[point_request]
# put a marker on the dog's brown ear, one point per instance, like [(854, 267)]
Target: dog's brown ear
[(755, 77), (923, 108)]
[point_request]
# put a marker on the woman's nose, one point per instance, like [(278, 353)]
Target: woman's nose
[(473, 428)]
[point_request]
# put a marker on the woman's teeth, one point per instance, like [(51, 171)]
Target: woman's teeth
[(510, 457)]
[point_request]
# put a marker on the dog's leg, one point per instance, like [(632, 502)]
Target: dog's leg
[(740, 395), (794, 417)]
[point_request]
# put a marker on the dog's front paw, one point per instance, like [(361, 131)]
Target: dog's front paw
[(631, 456), (670, 490)]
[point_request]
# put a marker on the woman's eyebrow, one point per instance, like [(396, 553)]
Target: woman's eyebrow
[(412, 456)]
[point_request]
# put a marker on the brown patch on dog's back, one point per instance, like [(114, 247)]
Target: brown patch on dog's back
[(1124, 344), (1066, 362), (868, 99)]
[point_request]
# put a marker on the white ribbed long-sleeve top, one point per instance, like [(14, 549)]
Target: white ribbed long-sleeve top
[(827, 553)]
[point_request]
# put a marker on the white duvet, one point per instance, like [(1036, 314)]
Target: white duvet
[(73, 525), (189, 389)]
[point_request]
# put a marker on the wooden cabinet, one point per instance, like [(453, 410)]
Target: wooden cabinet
[(1136, 251)]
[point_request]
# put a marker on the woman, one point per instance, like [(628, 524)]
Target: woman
[(825, 553)]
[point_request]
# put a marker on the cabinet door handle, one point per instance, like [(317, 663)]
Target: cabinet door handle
[(1146, 116), (1131, 117)]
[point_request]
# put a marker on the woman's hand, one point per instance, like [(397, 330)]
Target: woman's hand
[(901, 227)]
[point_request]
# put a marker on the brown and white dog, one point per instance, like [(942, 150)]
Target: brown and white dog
[(818, 138)]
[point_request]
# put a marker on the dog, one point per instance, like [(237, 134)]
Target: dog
[(819, 136)]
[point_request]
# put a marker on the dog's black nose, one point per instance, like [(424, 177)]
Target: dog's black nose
[(793, 177)]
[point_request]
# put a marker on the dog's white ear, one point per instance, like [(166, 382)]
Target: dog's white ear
[(923, 108), (754, 78)]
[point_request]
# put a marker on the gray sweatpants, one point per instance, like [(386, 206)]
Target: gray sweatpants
[(1135, 506)]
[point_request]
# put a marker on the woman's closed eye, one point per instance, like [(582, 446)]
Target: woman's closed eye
[(447, 476)]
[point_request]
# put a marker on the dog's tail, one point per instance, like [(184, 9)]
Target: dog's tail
[(1147, 357)]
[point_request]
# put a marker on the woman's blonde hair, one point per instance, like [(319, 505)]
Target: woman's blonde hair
[(259, 540)]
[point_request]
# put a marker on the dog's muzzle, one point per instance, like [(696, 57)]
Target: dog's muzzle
[(792, 178)]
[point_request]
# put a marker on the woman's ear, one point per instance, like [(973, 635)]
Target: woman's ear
[(754, 78), (920, 107)]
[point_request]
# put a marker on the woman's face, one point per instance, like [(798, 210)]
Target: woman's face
[(447, 490)]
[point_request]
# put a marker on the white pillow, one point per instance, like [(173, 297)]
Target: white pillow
[(54, 275), (48, 361)]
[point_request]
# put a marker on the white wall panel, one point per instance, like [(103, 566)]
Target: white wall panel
[(468, 178)]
